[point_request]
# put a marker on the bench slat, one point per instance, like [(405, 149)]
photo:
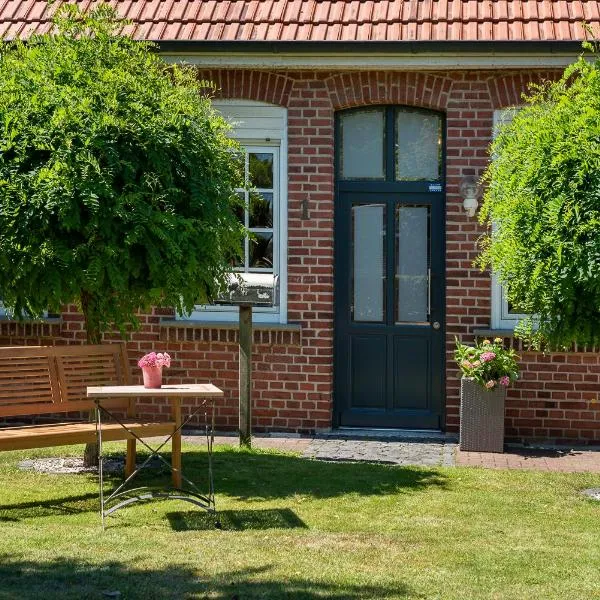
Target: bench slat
[(27, 381), (12, 385), (24, 369), (46, 379), (65, 434), (74, 406)]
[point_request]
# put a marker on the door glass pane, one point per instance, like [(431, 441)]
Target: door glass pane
[(260, 166), (368, 252), (418, 146), (412, 264), (361, 146)]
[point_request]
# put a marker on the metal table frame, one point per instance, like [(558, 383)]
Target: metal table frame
[(123, 496)]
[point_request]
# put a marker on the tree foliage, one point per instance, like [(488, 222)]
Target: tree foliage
[(542, 207), (117, 178)]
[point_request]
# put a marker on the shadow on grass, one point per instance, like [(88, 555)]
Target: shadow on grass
[(246, 475), (237, 520), (238, 474), (58, 505), (70, 579)]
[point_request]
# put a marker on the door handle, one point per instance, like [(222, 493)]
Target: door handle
[(429, 293), (436, 325)]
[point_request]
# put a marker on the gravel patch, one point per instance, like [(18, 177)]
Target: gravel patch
[(67, 466), (593, 493)]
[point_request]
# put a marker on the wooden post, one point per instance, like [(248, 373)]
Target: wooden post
[(176, 443), (246, 375)]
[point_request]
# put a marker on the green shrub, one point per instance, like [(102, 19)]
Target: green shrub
[(543, 197), (117, 178)]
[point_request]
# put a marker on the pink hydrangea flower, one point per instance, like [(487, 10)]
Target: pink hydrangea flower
[(490, 384), (487, 356), (504, 380), (466, 364), (153, 359)]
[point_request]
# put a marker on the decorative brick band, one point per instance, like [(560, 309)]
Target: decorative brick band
[(229, 335)]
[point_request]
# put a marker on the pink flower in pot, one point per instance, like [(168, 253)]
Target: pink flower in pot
[(152, 365)]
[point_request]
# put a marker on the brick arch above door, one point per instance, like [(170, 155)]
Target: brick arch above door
[(425, 90)]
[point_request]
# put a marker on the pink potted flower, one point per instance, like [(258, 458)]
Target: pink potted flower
[(487, 370), (152, 365)]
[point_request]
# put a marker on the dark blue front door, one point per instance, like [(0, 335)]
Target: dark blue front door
[(389, 266)]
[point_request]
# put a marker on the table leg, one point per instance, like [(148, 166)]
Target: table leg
[(176, 444), (130, 459)]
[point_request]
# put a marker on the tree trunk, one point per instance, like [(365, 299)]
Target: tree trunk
[(91, 455)]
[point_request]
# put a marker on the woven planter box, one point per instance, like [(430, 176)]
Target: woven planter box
[(481, 417)]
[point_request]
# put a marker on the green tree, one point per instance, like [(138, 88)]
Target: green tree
[(117, 178), (542, 208)]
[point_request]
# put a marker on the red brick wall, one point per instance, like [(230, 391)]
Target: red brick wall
[(294, 369)]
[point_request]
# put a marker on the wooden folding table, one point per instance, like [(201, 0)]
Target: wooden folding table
[(123, 495)]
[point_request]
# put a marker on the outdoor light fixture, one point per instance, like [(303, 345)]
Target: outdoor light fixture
[(469, 190)]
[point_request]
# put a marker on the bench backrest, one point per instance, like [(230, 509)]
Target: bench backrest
[(37, 380)]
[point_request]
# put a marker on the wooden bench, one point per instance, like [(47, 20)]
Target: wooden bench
[(47, 380)]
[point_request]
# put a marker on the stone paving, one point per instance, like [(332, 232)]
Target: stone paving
[(418, 452), (422, 452), (437, 451)]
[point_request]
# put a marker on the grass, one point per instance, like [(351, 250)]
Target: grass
[(301, 529)]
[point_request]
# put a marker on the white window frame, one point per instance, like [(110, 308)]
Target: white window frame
[(501, 317), (257, 127)]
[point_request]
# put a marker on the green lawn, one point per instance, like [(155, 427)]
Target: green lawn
[(296, 528)]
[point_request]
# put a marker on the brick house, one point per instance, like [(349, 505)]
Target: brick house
[(360, 121)]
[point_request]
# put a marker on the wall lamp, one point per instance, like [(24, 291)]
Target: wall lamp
[(470, 190)]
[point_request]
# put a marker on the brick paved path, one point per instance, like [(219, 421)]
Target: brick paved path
[(575, 460), (435, 452)]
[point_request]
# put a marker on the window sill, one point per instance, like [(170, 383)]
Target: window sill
[(492, 333), (198, 324), (42, 321)]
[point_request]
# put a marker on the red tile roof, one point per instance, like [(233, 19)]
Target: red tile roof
[(330, 20)]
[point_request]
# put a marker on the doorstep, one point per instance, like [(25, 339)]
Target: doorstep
[(392, 435)]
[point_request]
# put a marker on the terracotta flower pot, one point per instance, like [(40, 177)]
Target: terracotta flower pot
[(152, 377)]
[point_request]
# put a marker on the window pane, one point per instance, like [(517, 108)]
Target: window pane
[(368, 226), (418, 146), (261, 251), (261, 169), (261, 209), (362, 139), (412, 264)]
